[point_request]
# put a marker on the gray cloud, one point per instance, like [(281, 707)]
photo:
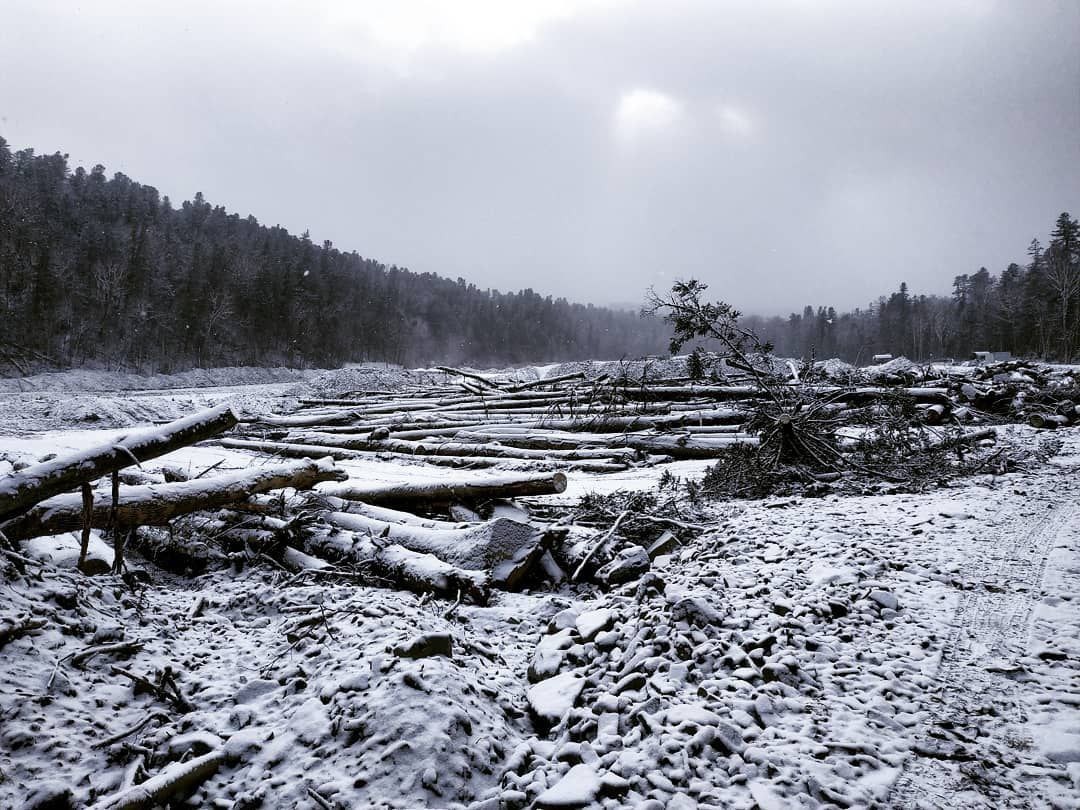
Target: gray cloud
[(799, 151)]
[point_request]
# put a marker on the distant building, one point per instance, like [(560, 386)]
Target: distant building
[(882, 358), (992, 357)]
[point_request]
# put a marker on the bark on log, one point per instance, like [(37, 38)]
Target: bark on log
[(23, 489), (478, 488), (505, 549), (682, 447), (969, 437), (458, 448), (157, 504), (424, 573), (484, 381), (578, 375), (685, 447), (607, 423), (309, 418)]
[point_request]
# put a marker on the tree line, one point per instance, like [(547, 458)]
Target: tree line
[(1031, 310), (100, 271), (105, 271)]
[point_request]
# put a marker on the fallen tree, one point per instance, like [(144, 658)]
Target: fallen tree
[(504, 549), (435, 492), (157, 504), (23, 489)]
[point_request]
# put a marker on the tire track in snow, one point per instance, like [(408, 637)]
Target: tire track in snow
[(961, 756)]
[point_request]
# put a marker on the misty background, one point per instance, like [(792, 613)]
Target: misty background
[(795, 152)]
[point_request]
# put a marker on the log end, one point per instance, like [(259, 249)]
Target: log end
[(558, 480)]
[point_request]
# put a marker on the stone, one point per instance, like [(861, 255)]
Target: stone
[(592, 622), (578, 788), (51, 795), (426, 645), (695, 610), (551, 699), (664, 544), (629, 564), (886, 599)]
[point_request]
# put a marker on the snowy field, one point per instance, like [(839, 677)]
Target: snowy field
[(886, 650)]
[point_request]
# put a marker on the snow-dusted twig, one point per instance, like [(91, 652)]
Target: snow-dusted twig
[(80, 658), (115, 738)]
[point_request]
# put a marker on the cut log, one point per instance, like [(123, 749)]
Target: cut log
[(460, 448), (504, 548), (934, 414), (23, 489), (682, 447), (310, 418), (424, 573), (968, 437), (578, 375), (157, 504), (438, 492), (387, 515), (1047, 421), (606, 423)]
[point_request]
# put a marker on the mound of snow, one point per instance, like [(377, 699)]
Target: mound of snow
[(96, 380)]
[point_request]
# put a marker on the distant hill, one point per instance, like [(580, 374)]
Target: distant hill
[(107, 272)]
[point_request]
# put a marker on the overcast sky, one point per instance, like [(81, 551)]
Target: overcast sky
[(786, 152)]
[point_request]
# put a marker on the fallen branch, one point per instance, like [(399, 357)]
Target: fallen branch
[(485, 487), (180, 778), (169, 695)]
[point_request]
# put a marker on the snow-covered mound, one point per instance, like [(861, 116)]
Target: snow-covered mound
[(94, 380), (354, 379), (898, 366)]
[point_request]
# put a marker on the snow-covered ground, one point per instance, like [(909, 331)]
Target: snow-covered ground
[(894, 650)]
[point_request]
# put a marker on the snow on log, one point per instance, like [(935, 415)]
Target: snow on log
[(422, 573), (484, 381), (577, 375), (505, 548), (385, 514), (157, 504), (310, 418), (21, 490), (479, 487), (605, 423), (491, 450), (682, 447)]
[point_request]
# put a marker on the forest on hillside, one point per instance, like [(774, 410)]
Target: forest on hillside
[(106, 272), (1031, 310), (99, 271)]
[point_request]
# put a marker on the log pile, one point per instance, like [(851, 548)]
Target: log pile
[(508, 440), (611, 423)]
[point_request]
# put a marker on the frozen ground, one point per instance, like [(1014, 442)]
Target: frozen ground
[(895, 650)]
